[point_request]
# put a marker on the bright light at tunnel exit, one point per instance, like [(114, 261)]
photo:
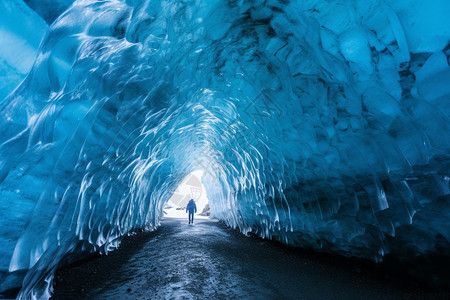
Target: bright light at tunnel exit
[(190, 188)]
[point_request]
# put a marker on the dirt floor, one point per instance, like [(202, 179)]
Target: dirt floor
[(210, 261)]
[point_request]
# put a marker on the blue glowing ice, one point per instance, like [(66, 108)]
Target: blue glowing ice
[(322, 124), (21, 31)]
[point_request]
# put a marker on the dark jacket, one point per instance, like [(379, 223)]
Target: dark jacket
[(191, 207)]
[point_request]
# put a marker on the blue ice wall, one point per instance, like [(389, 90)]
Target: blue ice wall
[(21, 31), (323, 125), (49, 10)]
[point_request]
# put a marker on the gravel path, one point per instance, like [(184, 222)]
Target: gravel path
[(211, 261)]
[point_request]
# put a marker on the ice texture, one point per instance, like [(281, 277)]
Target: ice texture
[(322, 124), (49, 10), (21, 31)]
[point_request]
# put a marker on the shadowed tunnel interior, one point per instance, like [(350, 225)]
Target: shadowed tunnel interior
[(320, 124)]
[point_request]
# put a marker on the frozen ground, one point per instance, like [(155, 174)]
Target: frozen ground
[(210, 261)]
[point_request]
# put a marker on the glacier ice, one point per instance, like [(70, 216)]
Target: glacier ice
[(49, 10), (320, 124), (21, 31)]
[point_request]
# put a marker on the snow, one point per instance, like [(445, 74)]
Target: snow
[(319, 124)]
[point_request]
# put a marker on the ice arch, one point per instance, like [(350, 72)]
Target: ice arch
[(322, 125)]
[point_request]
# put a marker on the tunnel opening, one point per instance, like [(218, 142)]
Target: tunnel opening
[(191, 187)]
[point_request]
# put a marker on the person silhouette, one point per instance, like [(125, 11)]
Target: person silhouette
[(192, 208)]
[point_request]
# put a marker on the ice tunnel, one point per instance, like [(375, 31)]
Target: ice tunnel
[(321, 124)]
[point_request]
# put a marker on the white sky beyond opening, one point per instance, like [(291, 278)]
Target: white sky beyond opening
[(190, 188)]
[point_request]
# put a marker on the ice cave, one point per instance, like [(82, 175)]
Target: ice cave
[(320, 124)]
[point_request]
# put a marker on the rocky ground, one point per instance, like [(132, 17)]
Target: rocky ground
[(210, 261)]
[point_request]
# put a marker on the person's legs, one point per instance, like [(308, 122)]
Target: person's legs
[(191, 217)]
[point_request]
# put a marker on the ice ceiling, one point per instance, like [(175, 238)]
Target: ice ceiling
[(323, 124)]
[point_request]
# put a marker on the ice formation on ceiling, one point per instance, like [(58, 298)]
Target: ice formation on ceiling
[(323, 124)]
